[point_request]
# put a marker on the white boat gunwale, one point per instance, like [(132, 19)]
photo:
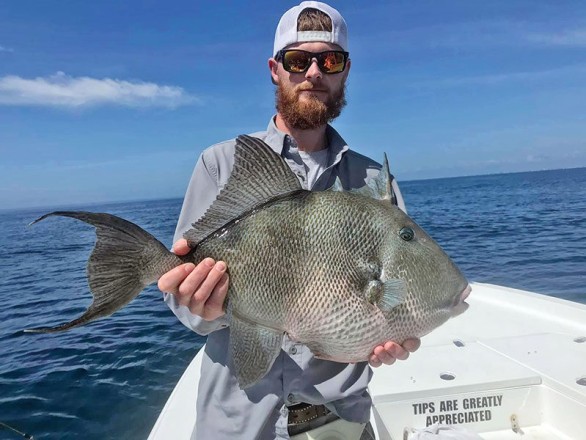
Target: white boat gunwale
[(526, 347)]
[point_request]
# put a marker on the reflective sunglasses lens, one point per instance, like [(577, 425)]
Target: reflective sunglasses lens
[(332, 62), (296, 61)]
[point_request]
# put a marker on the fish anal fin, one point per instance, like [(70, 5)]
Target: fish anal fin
[(254, 349)]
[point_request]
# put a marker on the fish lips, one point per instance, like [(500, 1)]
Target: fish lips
[(461, 305)]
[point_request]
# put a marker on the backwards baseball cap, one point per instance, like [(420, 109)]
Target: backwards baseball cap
[(287, 32)]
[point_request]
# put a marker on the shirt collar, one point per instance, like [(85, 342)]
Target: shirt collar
[(275, 138)]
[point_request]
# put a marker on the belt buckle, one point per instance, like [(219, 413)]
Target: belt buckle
[(305, 416), (305, 412)]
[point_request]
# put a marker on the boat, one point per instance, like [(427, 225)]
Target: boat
[(512, 367)]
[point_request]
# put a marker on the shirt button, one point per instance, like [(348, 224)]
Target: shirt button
[(293, 350), (291, 398)]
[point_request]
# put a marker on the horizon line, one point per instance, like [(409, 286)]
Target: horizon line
[(125, 201)]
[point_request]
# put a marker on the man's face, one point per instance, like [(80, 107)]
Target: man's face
[(309, 99)]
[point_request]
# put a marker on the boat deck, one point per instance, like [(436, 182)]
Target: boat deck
[(512, 367)]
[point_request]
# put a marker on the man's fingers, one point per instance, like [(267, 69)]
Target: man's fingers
[(396, 351), (191, 285), (374, 361), (412, 344), (170, 281), (207, 286), (383, 355), (214, 306), (202, 288), (216, 299), (180, 247), (391, 351)]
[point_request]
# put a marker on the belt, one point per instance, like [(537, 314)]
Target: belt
[(304, 416)]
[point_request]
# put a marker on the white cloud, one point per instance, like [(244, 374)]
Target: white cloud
[(484, 33), (5, 49), (61, 90), (573, 38), (500, 78)]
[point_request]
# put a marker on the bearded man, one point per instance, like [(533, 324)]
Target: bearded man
[(309, 66)]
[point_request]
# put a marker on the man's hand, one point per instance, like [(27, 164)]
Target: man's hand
[(201, 288), (391, 351)]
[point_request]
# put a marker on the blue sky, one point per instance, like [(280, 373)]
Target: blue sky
[(108, 101)]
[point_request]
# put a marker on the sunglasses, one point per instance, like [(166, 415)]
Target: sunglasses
[(298, 61)]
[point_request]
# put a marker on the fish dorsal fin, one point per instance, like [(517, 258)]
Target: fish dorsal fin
[(379, 188), (259, 175)]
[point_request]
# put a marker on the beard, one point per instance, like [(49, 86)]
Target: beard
[(309, 113)]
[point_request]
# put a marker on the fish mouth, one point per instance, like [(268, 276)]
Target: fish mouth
[(461, 305), (465, 293)]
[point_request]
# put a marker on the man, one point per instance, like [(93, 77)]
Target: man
[(309, 66)]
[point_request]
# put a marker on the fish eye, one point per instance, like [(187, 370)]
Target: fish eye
[(406, 233)]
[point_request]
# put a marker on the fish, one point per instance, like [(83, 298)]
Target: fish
[(339, 271)]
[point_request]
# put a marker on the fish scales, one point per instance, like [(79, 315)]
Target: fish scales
[(296, 266), (340, 272)]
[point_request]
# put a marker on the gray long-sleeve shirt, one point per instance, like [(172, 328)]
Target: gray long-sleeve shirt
[(224, 411)]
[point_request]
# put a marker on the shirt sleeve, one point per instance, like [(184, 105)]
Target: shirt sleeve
[(201, 192)]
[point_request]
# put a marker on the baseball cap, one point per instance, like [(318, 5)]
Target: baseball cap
[(287, 33)]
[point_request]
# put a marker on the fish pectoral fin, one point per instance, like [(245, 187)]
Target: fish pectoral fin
[(386, 295), (254, 349)]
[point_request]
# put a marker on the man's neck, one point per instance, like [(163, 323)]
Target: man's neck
[(307, 140)]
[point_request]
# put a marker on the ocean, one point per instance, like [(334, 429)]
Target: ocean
[(110, 379)]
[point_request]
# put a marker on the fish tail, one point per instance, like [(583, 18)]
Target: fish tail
[(125, 260)]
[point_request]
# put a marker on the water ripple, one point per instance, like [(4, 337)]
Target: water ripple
[(109, 379)]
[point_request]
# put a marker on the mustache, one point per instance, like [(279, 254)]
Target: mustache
[(303, 87)]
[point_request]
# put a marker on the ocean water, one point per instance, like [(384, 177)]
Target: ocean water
[(109, 379)]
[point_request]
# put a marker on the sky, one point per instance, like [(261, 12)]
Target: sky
[(114, 100)]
